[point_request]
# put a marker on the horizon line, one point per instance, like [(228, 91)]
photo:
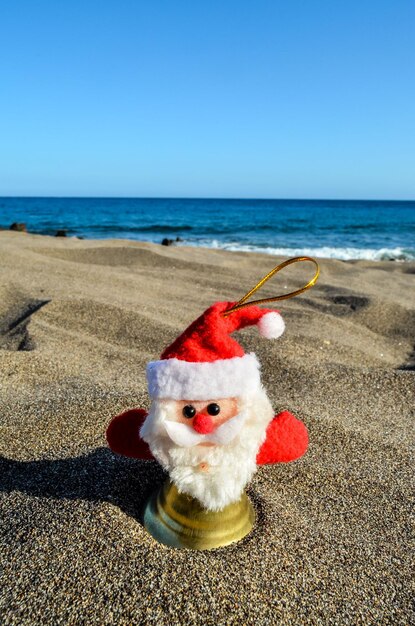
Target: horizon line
[(231, 198)]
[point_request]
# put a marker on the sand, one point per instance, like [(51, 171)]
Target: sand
[(332, 545)]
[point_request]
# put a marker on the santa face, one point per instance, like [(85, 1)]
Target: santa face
[(209, 448)]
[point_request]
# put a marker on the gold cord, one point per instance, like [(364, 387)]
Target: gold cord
[(243, 301)]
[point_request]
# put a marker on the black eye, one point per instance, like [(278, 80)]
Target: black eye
[(189, 411), (213, 409)]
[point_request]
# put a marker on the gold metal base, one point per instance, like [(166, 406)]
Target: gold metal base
[(179, 521)]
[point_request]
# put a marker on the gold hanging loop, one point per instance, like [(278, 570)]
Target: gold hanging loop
[(243, 301)]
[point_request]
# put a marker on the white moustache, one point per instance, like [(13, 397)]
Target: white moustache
[(184, 435)]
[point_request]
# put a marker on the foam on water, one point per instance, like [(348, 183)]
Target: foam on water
[(324, 252)]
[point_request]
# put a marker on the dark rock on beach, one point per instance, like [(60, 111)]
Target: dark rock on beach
[(170, 242), (19, 227)]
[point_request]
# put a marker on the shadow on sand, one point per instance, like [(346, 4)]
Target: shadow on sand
[(97, 476)]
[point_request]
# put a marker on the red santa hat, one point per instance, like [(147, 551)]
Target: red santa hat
[(205, 362)]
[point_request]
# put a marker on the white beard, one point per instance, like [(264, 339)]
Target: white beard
[(230, 467)]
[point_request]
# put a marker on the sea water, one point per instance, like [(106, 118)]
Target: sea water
[(373, 230)]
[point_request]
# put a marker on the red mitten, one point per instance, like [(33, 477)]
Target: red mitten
[(286, 440), (123, 435)]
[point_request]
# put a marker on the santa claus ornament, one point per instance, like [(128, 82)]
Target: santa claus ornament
[(210, 424)]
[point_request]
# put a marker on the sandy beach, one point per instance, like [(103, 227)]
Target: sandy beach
[(79, 320)]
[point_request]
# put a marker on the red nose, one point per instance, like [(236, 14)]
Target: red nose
[(203, 424)]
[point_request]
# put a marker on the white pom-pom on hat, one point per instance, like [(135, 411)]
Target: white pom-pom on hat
[(271, 325)]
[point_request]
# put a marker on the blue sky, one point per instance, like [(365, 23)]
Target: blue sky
[(301, 99)]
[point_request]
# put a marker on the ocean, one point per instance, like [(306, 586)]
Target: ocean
[(358, 229)]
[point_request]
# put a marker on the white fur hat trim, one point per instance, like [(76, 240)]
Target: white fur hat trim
[(184, 380)]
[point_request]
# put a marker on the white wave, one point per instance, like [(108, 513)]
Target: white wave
[(324, 252)]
